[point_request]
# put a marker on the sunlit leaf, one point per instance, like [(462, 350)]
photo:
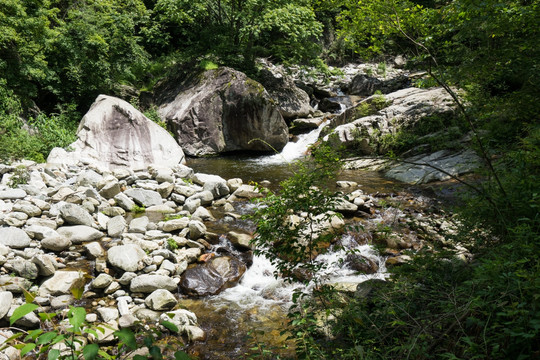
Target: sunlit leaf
[(53, 354), (90, 351), (47, 337), (169, 325), (77, 316), (22, 311), (127, 337), (27, 348)]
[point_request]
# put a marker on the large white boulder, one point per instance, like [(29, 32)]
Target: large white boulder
[(114, 134)]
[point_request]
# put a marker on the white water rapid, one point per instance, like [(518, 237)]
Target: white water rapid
[(293, 150), (261, 289)]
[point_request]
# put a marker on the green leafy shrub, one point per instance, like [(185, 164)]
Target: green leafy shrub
[(72, 339)]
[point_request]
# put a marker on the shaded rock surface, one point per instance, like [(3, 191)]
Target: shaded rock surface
[(220, 111)]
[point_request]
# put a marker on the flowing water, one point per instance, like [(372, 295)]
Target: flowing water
[(254, 311)]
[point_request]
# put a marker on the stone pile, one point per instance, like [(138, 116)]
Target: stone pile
[(70, 227)]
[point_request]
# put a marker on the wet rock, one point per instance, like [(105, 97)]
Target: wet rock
[(14, 237), (361, 264), (212, 277), (79, 233), (300, 126), (365, 85), (160, 300), (126, 257), (292, 101), (329, 105), (368, 288), (149, 283), (242, 241)]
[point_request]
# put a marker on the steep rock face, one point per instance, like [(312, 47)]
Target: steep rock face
[(114, 134), (292, 101), (220, 111)]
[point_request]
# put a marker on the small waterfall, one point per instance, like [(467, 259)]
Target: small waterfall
[(293, 150)]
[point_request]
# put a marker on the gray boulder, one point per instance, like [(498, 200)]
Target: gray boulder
[(79, 233), (114, 134), (292, 101), (12, 194), (220, 111), (61, 283), (14, 237), (144, 198), (56, 243), (365, 85), (160, 300), (418, 169), (126, 257), (403, 109), (6, 297), (75, 215), (150, 283)]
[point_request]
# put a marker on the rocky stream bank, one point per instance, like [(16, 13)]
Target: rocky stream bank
[(120, 216), (72, 227)]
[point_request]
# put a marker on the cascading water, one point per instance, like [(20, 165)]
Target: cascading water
[(293, 150)]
